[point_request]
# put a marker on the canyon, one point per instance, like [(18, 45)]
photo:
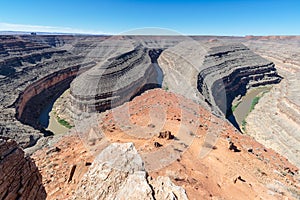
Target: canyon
[(229, 71), (104, 87), (31, 68), (279, 128)]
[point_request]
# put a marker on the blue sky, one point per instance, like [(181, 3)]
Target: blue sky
[(203, 17)]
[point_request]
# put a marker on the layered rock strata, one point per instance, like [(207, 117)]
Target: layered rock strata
[(181, 65), (20, 178), (34, 70), (275, 120), (116, 81), (229, 70), (30, 67), (39, 94)]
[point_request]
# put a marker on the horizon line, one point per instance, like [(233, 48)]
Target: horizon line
[(52, 30)]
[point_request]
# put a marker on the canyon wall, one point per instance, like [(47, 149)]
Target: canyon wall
[(116, 81), (29, 66), (275, 120), (34, 70), (39, 94), (181, 65), (19, 176), (229, 70)]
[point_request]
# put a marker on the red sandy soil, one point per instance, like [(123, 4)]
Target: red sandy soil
[(254, 172)]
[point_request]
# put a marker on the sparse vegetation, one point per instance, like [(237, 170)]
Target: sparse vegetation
[(254, 102), (235, 106), (64, 122), (252, 106), (244, 123)]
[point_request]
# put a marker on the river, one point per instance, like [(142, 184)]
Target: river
[(242, 110), (49, 122), (160, 75)]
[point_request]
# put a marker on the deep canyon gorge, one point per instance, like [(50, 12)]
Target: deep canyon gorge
[(195, 80)]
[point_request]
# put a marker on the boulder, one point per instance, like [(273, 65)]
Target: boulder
[(118, 172), (164, 189)]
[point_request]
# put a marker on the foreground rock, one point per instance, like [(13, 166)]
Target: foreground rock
[(19, 176), (163, 188), (118, 172)]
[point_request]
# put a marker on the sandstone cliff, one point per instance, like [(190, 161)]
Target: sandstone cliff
[(19, 176)]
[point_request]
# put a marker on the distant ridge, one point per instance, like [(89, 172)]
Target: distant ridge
[(42, 33)]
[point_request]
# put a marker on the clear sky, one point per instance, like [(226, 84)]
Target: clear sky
[(203, 17)]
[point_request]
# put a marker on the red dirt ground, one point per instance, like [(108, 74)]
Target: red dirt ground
[(253, 172)]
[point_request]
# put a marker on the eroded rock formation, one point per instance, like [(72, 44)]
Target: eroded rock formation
[(19, 176), (30, 67), (116, 81), (229, 70), (118, 172), (275, 120), (181, 66)]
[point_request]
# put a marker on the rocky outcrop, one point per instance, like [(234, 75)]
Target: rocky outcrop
[(164, 189), (118, 172), (229, 70), (116, 81), (20, 178)]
